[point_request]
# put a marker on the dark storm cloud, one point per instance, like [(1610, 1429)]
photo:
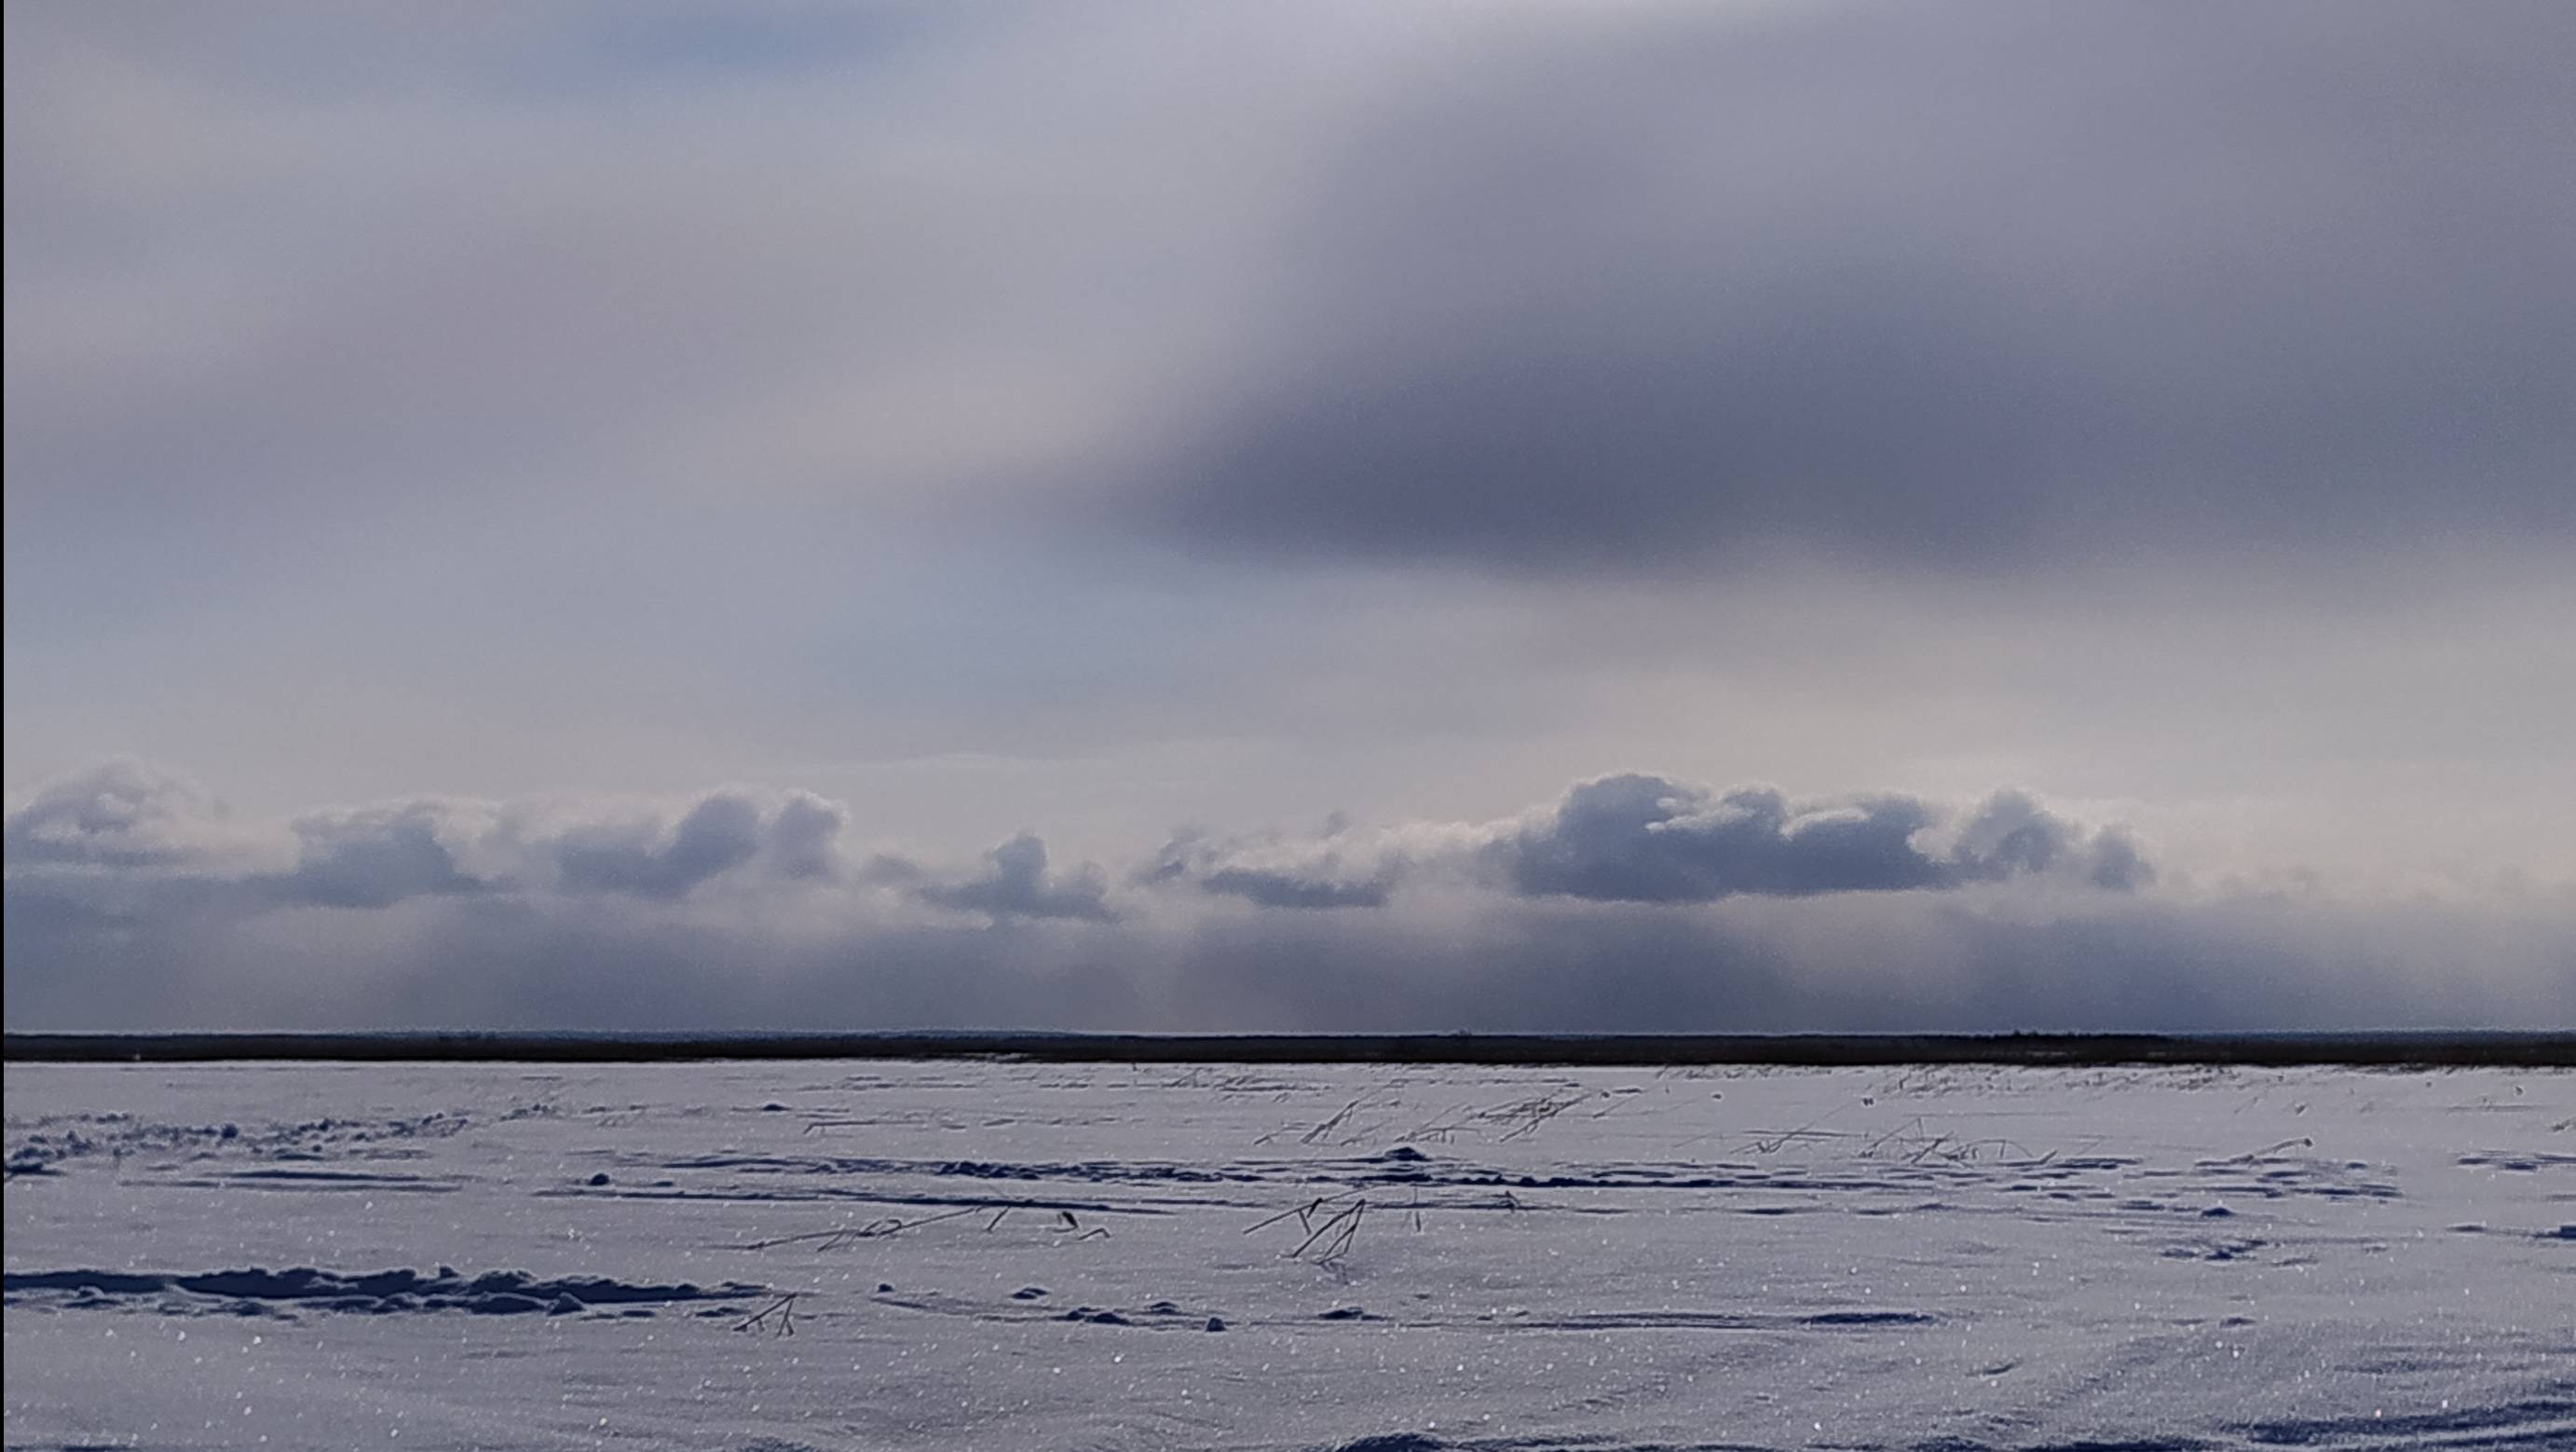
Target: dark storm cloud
[(1962, 285)]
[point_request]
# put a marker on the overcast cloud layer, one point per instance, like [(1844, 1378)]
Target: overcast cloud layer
[(1954, 514), (1962, 286)]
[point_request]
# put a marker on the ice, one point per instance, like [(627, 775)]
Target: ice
[(829, 1255)]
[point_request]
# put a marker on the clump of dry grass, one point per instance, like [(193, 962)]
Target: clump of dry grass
[(1331, 1224)]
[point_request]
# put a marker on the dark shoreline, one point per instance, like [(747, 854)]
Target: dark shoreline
[(2516, 1050)]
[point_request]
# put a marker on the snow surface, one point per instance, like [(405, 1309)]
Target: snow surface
[(783, 1256)]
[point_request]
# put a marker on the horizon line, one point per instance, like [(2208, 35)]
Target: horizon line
[(2448, 1048)]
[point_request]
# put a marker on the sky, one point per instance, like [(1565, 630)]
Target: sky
[(1536, 516)]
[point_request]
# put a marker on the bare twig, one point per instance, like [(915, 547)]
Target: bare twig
[(780, 1313), (840, 1235), (2267, 1151), (1349, 1213), (1303, 1213), (1333, 1123), (1350, 1230)]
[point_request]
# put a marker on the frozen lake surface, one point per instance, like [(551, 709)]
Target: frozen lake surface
[(830, 1255)]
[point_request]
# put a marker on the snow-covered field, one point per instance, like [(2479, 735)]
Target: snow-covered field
[(1007, 1255)]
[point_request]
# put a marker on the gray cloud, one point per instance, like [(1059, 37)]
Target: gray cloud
[(1273, 871), (374, 858), (794, 838), (1279, 889), (114, 814), (2013, 834), (130, 821), (718, 834), (138, 826), (1643, 838), (1959, 285), (804, 837), (1631, 838), (1015, 883), (1954, 284)]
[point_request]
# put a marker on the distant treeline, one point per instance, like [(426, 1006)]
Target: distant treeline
[(2528, 1050)]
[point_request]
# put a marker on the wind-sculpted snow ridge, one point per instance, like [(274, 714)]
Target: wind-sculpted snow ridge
[(54, 1139), (267, 1292), (826, 1256), (2541, 1424)]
